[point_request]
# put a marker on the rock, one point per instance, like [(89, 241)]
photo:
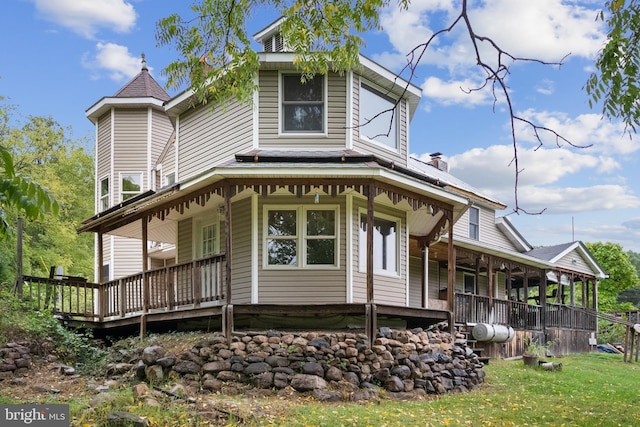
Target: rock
[(313, 368), (394, 384), (333, 374), (125, 419), (151, 354), (140, 390), (154, 373), (327, 395), (304, 382), (187, 367), (257, 368)]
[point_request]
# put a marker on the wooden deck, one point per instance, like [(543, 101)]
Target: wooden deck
[(185, 294)]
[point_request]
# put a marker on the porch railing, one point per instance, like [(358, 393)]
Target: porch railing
[(190, 283), (476, 309)]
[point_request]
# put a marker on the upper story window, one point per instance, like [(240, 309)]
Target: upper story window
[(385, 244), (170, 178), (474, 223), (378, 117), (104, 193), (303, 104), (130, 185), (303, 236)]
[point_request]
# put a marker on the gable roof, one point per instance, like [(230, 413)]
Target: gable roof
[(555, 253), (512, 234)]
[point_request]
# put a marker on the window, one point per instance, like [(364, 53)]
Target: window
[(474, 223), (209, 240), (104, 193), (302, 104), (298, 237), (469, 283), (378, 117), (385, 245), (170, 178), (130, 185)]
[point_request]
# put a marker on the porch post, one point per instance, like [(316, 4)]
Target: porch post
[(227, 318), (425, 276), (572, 291), (491, 286), (101, 296), (451, 276), (370, 312), (145, 279), (543, 301)]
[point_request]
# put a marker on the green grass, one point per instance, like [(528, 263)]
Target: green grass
[(591, 390)]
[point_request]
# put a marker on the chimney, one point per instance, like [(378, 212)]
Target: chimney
[(437, 162)]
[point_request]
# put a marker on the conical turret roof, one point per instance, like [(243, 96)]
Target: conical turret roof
[(143, 85)]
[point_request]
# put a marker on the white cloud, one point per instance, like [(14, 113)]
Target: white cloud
[(86, 17), (462, 92), (604, 137), (546, 30), (115, 60), (545, 87)]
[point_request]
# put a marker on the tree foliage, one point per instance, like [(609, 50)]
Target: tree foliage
[(616, 81), (215, 54), (622, 274), (19, 191), (41, 150)]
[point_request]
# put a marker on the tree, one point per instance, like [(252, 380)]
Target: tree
[(41, 150), (20, 192), (622, 274), (217, 62), (616, 81)]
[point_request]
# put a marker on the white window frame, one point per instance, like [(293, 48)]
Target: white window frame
[(199, 224), (301, 237), (170, 179), (104, 200), (123, 193), (362, 241), (381, 140), (281, 102), (471, 224)]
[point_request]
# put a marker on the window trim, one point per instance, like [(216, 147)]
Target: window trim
[(198, 224), (325, 104), (375, 90), (104, 197), (362, 262), (122, 193), (477, 236), (464, 283), (300, 237)]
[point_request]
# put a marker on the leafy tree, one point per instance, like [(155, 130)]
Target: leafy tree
[(18, 191), (616, 81), (622, 274), (634, 258), (41, 150)]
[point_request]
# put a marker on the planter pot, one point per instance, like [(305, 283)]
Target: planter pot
[(530, 360)]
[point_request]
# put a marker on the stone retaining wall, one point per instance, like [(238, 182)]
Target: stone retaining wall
[(331, 365), (15, 359)]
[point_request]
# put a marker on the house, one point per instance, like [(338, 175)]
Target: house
[(305, 209)]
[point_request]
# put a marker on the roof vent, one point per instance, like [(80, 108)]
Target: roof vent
[(274, 43)]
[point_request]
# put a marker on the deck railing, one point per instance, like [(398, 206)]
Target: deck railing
[(190, 283), (480, 309)]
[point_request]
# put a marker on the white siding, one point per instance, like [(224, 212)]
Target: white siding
[(365, 146), (337, 114), (579, 265), (127, 257), (489, 233), (130, 147), (303, 286), (209, 137), (241, 262)]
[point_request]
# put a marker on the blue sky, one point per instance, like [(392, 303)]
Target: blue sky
[(61, 56)]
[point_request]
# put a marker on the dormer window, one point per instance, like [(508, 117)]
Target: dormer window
[(378, 117), (274, 43), (302, 104)]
